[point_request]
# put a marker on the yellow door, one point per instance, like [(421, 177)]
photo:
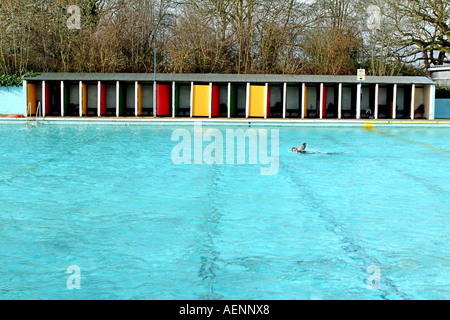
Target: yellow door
[(257, 99), (201, 101)]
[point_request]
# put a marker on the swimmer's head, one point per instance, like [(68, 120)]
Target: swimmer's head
[(304, 144)]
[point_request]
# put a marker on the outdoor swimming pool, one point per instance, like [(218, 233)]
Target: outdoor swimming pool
[(110, 200)]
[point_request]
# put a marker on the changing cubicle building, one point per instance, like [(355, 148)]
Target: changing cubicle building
[(229, 96)]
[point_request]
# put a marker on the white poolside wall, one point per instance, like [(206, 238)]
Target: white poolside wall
[(12, 100)]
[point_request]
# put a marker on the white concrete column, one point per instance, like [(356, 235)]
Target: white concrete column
[(44, 99), (377, 100), (136, 98), (62, 99), (432, 102), (321, 101), (117, 98), (229, 100), (303, 100), (266, 98), (340, 101), (154, 98), (210, 99), (413, 96), (192, 98), (25, 93), (394, 103), (247, 102), (80, 97), (99, 98), (358, 101), (284, 100), (173, 99)]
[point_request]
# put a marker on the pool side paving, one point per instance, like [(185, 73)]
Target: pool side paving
[(225, 121)]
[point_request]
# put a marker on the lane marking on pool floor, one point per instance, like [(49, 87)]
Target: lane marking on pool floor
[(348, 242), (426, 145)]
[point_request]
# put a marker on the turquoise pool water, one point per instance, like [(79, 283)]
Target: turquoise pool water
[(109, 199)]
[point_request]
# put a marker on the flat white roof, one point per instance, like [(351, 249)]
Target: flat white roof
[(437, 69), (226, 78)]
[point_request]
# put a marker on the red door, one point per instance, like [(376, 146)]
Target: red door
[(163, 100), (103, 99), (215, 104)]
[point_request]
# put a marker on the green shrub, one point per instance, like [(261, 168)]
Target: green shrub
[(442, 92), (14, 80)]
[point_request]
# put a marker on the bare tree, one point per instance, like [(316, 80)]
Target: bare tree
[(222, 36), (15, 36), (331, 44), (194, 46), (423, 29)]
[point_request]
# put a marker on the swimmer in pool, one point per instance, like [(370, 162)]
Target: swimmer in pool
[(301, 149)]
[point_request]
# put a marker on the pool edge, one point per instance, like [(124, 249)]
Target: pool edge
[(224, 121)]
